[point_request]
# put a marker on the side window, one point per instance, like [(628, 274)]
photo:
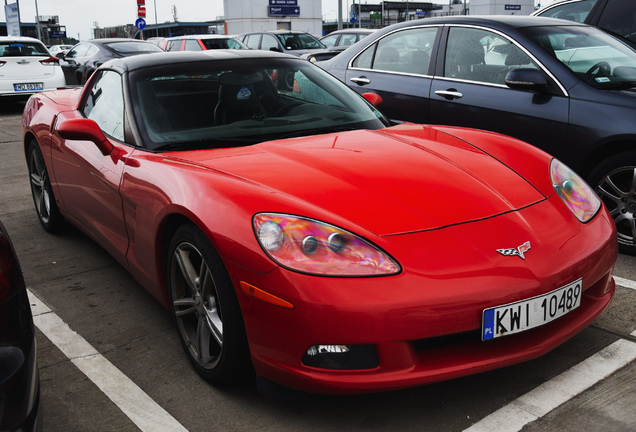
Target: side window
[(407, 51), (576, 11), (192, 45), (78, 51), (252, 41), (91, 51), (619, 16), (105, 104), (329, 41), (174, 45), (268, 42), (365, 59), (482, 56), (347, 39)]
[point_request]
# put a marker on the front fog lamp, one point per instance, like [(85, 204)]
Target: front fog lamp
[(574, 192), (342, 357), (314, 247)]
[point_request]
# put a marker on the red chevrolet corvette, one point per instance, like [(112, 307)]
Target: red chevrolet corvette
[(292, 231)]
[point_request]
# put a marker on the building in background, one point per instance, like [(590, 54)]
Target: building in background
[(501, 7), (242, 16), (48, 30)]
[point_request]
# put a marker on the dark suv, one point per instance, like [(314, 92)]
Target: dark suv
[(615, 16)]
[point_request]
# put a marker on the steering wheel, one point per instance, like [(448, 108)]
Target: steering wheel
[(601, 68)]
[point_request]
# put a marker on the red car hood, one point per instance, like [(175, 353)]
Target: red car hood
[(397, 180)]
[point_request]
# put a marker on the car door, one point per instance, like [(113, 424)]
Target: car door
[(87, 180), (72, 62), (399, 68), (469, 89), (270, 43)]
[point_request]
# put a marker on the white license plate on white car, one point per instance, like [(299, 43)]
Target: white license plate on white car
[(28, 87), (527, 314)]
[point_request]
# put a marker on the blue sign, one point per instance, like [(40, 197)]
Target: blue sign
[(513, 7), (140, 23), (57, 34), (284, 11), (353, 17), (283, 2)]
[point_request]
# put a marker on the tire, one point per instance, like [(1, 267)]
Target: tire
[(206, 310), (614, 180), (43, 197)]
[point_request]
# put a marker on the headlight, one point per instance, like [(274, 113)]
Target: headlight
[(314, 247), (574, 192)]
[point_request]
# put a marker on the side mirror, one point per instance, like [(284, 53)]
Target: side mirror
[(526, 79), (276, 49), (84, 130), (373, 98)]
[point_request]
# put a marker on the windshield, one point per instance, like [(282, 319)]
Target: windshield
[(300, 41), (233, 103), (598, 58), (229, 43)]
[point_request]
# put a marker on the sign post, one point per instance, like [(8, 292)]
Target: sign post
[(12, 13), (284, 8), (141, 14)]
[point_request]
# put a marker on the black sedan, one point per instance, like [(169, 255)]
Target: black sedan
[(82, 60), (565, 87), (19, 378)]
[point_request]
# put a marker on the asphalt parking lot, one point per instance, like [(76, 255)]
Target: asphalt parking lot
[(110, 359)]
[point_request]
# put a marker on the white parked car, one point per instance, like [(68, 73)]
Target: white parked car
[(27, 67), (56, 50)]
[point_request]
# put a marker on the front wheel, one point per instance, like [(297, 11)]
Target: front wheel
[(43, 198), (206, 309), (615, 183)]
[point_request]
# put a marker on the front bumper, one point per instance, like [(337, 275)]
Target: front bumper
[(425, 322)]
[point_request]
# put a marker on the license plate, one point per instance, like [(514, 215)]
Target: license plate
[(28, 87), (527, 314)]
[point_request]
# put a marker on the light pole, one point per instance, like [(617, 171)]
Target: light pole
[(156, 24), (37, 20)]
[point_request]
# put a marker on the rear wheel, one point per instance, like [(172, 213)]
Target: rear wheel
[(615, 183), (43, 198), (206, 309)]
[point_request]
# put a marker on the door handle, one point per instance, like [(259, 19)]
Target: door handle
[(361, 80), (449, 94)]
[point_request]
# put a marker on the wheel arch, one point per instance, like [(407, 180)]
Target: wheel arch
[(605, 151), (28, 137)]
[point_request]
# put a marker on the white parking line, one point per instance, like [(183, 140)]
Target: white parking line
[(626, 283), (549, 395), (134, 402)]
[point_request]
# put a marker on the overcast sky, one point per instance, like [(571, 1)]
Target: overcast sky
[(79, 16)]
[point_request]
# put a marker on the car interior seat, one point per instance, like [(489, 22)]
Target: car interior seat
[(238, 98), (463, 55)]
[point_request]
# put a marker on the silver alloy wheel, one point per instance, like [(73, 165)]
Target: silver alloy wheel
[(195, 304), (39, 178), (618, 191)]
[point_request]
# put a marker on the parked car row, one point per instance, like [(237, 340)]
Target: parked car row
[(562, 86), (279, 224)]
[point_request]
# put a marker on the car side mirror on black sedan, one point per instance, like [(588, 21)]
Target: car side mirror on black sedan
[(526, 79)]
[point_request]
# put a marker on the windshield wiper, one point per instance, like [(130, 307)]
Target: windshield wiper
[(203, 143)]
